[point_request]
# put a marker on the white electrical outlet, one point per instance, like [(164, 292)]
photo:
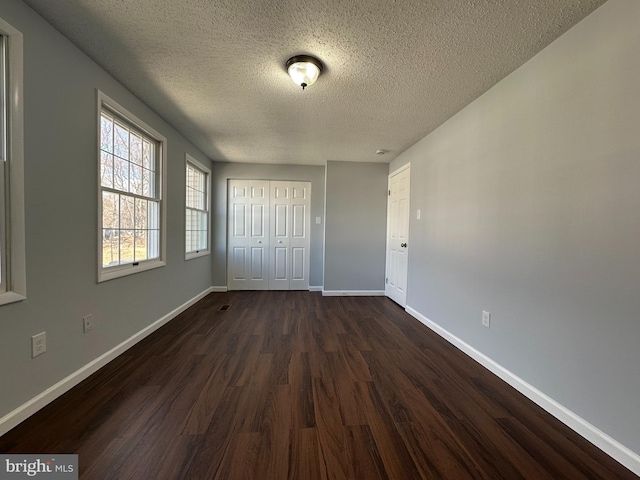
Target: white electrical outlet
[(87, 323), (318, 220), (38, 344), (486, 319), (418, 214)]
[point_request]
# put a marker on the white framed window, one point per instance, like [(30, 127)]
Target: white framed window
[(197, 215), (13, 285), (132, 189)]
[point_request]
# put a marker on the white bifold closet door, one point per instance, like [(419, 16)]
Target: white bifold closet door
[(283, 224), (248, 232)]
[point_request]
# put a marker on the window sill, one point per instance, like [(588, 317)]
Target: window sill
[(110, 273), (11, 297), (199, 253)]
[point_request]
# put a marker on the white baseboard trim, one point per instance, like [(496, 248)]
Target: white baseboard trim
[(315, 289), (604, 442), (24, 411), (218, 289), (353, 293)]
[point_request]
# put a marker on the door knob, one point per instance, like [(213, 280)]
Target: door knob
[(403, 245), (279, 241), (259, 241)]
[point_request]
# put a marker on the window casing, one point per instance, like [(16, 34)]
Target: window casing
[(197, 214), (131, 165), (12, 236)]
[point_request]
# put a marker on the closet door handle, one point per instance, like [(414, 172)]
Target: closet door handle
[(403, 245)]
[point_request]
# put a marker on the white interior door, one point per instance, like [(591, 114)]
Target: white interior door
[(290, 241), (299, 238), (279, 254), (398, 236), (248, 235)]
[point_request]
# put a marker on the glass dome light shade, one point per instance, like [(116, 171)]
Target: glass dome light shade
[(304, 70)]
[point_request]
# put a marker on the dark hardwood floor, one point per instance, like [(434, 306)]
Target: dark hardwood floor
[(293, 385)]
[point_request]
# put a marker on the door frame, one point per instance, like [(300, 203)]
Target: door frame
[(407, 166)]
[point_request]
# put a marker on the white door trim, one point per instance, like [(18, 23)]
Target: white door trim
[(401, 169)]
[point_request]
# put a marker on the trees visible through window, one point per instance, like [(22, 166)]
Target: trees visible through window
[(130, 184)]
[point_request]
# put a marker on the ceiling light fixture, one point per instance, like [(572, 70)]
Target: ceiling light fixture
[(304, 70)]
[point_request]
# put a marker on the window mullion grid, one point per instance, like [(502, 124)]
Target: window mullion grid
[(129, 194)]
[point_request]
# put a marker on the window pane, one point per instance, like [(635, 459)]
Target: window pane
[(136, 149), (197, 221), (110, 210), (127, 216), (195, 188), (142, 207), (153, 244), (106, 169), (141, 245), (153, 215), (187, 241), (135, 179), (126, 246), (147, 155), (200, 201), (106, 134), (121, 174), (148, 183), (121, 142), (110, 247), (202, 237), (202, 240)]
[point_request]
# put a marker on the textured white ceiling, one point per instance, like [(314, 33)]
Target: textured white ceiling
[(394, 69)]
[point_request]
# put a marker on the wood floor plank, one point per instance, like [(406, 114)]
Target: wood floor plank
[(361, 449), (300, 379), (241, 457), (305, 461), (217, 439), (438, 457), (209, 396), (349, 402), (300, 386), (395, 456), (329, 426), (275, 429)]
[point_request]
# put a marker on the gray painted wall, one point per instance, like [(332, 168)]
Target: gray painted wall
[(356, 226), (530, 204), (61, 218), (222, 171)]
